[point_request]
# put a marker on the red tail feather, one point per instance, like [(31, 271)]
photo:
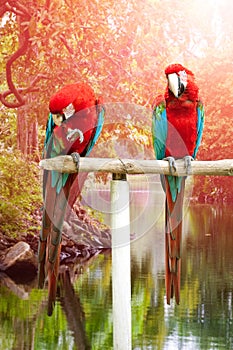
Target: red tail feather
[(173, 240), (53, 271)]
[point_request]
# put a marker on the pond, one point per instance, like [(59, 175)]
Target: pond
[(83, 319)]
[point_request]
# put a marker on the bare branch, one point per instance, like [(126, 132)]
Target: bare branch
[(24, 17), (9, 104), (3, 9), (16, 7), (20, 52), (64, 41), (21, 91)]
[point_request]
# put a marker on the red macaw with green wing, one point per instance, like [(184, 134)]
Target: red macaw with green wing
[(177, 127), (74, 125)]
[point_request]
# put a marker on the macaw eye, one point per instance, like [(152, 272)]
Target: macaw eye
[(68, 111), (182, 81), (181, 87)]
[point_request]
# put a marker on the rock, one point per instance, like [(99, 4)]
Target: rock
[(18, 290), (20, 252)]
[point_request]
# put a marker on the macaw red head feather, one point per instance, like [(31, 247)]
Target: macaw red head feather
[(191, 91), (80, 95), (176, 68)]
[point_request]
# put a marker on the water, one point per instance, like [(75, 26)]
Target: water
[(82, 318), (203, 320)]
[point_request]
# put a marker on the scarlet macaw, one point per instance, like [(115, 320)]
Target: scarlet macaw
[(177, 127), (74, 125)]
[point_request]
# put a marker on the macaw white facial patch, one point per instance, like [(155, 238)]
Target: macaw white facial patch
[(183, 77), (68, 111), (58, 119)]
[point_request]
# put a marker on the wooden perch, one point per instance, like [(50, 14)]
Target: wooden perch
[(65, 164)]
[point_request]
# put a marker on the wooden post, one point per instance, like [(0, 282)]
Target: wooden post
[(121, 271)]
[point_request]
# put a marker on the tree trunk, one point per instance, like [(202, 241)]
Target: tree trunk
[(22, 132), (27, 134), (27, 124)]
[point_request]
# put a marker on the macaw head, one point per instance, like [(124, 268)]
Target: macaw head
[(178, 78), (70, 99)]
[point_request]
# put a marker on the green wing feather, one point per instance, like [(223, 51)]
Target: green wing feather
[(159, 130), (52, 148), (159, 135), (58, 179), (99, 126)]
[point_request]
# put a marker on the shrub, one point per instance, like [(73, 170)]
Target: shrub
[(20, 194)]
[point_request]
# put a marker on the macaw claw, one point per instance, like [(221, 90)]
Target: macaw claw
[(76, 158), (187, 164), (172, 164)]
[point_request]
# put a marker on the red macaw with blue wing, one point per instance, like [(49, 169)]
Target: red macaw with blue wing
[(74, 125), (177, 127)]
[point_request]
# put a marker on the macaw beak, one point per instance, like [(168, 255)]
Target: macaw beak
[(177, 83), (173, 84)]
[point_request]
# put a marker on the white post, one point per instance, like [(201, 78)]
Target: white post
[(121, 272)]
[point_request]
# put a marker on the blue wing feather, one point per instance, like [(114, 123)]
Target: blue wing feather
[(49, 130), (99, 126), (200, 125)]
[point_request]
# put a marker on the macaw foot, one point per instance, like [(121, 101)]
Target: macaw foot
[(187, 164), (172, 164), (76, 158)]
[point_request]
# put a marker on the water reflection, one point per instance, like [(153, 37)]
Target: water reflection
[(82, 317), (203, 320), (73, 310)]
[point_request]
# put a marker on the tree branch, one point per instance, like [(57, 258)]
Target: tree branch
[(64, 41), (17, 8), (24, 16), (21, 91), (20, 52)]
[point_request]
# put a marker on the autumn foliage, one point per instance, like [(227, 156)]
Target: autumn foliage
[(121, 48)]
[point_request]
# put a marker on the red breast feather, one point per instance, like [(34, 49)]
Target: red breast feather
[(182, 116)]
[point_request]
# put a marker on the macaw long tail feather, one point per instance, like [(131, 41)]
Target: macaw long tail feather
[(41, 263), (45, 231), (173, 239), (55, 205), (53, 271), (52, 265)]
